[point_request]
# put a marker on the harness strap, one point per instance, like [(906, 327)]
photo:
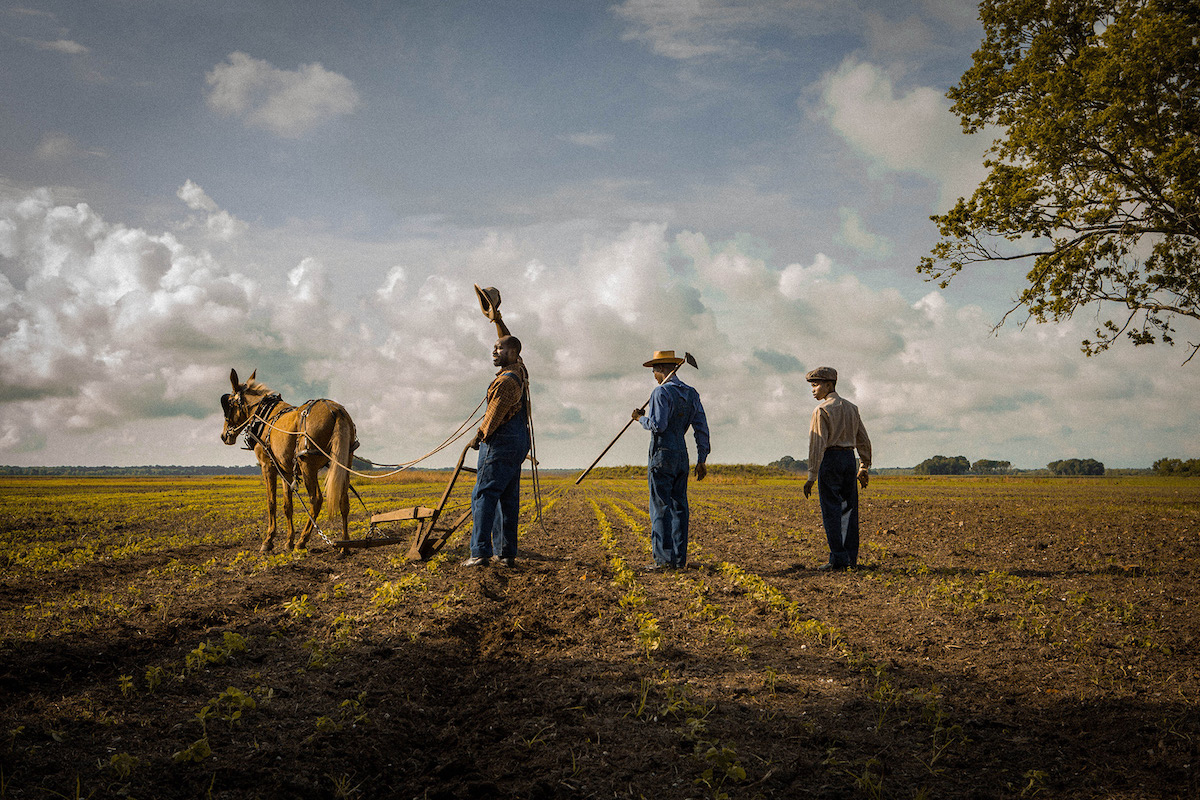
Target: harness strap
[(258, 420)]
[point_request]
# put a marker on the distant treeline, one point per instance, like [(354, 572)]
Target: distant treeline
[(1076, 466), (789, 464), (124, 472), (143, 472), (718, 471), (959, 465), (1175, 466)]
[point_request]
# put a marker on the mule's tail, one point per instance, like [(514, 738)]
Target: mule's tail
[(337, 480)]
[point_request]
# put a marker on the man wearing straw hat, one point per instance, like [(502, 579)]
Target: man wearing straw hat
[(836, 431), (673, 408)]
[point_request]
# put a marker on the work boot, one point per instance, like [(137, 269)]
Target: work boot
[(504, 561), (475, 561)]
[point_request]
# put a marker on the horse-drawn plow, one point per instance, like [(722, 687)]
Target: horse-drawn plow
[(294, 445), (429, 537)]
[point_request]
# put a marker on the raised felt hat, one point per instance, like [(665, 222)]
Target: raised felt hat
[(821, 374), (489, 301), (664, 357)]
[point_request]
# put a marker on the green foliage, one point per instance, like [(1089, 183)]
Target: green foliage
[(154, 676), (229, 705), (1175, 466), (123, 765), (944, 465), (986, 466), (299, 606), (208, 653), (390, 593), (789, 464), (1098, 166), (723, 766), (1076, 466), (196, 751)]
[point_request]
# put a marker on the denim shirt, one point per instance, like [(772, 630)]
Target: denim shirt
[(674, 406)]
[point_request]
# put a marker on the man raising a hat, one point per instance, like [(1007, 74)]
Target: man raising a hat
[(673, 408), (503, 441), (835, 432)]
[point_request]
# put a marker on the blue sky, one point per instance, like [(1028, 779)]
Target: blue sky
[(311, 189)]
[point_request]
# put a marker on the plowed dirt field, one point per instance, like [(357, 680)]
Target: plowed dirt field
[(1002, 638)]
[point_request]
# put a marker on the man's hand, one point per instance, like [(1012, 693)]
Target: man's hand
[(863, 478), (638, 413), (701, 471), (808, 484), (476, 440)]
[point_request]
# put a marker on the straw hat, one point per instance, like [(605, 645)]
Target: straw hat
[(664, 357)]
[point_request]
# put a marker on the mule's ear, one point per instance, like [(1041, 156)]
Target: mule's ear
[(251, 378), (233, 379)]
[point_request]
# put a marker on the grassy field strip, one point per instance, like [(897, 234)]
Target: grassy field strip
[(895, 704), (922, 706), (119, 528), (906, 706), (1061, 619), (1070, 622), (666, 698), (86, 608), (715, 621), (91, 521), (648, 636), (387, 593)]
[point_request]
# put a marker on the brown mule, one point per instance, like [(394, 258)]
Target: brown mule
[(292, 442)]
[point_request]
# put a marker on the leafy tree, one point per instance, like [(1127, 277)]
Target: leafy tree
[(1076, 466), (790, 464), (986, 466), (1098, 167), (943, 465), (1175, 466)]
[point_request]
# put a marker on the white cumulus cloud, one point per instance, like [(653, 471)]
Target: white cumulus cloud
[(912, 131), (287, 103), (108, 332), (222, 225)]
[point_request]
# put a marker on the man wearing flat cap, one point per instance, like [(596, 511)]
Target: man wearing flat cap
[(673, 408), (835, 433)]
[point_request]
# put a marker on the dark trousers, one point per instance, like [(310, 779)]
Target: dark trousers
[(668, 477), (838, 492), (496, 499)]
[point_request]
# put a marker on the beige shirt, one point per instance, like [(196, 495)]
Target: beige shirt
[(835, 423)]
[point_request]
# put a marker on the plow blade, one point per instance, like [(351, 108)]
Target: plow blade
[(429, 538)]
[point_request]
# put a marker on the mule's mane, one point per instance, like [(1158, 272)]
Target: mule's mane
[(256, 389)]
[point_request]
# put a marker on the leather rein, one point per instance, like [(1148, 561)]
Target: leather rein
[(258, 420)]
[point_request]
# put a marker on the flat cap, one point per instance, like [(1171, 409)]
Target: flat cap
[(821, 374)]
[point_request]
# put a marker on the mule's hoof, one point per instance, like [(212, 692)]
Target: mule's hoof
[(266, 547)]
